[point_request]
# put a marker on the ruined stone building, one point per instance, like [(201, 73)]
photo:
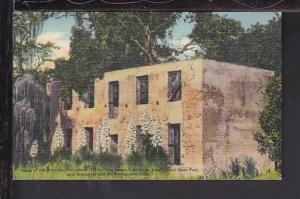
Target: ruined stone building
[(209, 111)]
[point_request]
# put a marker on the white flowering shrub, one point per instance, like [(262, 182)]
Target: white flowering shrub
[(131, 137), (34, 149), (58, 141), (104, 137), (146, 123), (156, 139), (97, 148), (82, 141)]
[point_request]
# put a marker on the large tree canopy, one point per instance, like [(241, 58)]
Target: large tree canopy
[(217, 36), (106, 41), (224, 39)]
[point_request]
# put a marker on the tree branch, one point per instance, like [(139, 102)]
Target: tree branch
[(161, 24)]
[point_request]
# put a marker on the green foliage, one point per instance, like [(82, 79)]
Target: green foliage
[(158, 158), (43, 153), (61, 154), (135, 159), (242, 171), (83, 155), (270, 139), (235, 167), (105, 160), (109, 161), (224, 39), (268, 175), (217, 36), (260, 46), (28, 53), (154, 156), (106, 41), (41, 76), (249, 169)]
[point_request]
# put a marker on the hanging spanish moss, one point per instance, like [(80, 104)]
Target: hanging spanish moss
[(30, 122), (26, 28)]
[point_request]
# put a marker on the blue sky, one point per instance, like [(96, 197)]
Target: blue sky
[(59, 30)]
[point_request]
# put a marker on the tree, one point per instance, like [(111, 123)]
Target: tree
[(260, 45), (134, 36), (82, 139), (131, 137), (106, 41), (28, 53), (58, 141), (224, 39), (216, 36), (270, 139)]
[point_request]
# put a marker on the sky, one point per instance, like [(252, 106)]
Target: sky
[(59, 30)]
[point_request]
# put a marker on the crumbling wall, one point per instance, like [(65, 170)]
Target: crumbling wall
[(187, 111), (233, 100), (56, 110)]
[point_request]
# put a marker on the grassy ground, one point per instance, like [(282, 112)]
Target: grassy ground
[(67, 170)]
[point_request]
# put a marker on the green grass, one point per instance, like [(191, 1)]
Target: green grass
[(268, 175), (68, 170)]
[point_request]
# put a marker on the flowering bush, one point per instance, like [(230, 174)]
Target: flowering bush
[(156, 138), (131, 137), (152, 143), (104, 137), (34, 149), (147, 123), (58, 141), (97, 148), (82, 141)]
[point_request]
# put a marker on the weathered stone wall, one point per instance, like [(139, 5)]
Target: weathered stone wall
[(218, 111), (53, 91), (187, 112), (57, 114), (233, 101)]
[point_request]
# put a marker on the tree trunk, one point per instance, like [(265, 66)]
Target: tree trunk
[(150, 58)]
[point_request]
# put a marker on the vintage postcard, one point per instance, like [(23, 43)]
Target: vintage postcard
[(147, 96)]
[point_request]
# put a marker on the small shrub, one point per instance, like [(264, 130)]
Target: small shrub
[(43, 155), (154, 156), (60, 154), (157, 157), (235, 167), (135, 159), (109, 161), (246, 170), (83, 155), (249, 168)]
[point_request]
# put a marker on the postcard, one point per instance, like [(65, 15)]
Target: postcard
[(147, 95)]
